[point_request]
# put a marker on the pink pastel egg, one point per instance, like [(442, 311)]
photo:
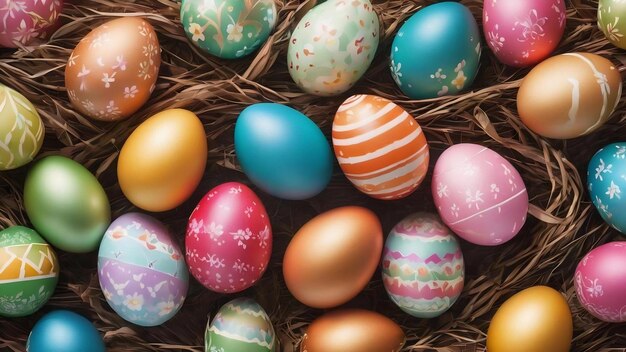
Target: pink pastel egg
[(523, 32), (479, 195), (25, 20), (229, 239), (600, 282)]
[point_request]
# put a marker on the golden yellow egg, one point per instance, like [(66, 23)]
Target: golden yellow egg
[(536, 319), (163, 160)]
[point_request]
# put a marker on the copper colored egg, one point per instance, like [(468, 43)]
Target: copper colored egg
[(333, 256), (569, 95), (113, 69), (163, 160), (536, 319), (353, 330)]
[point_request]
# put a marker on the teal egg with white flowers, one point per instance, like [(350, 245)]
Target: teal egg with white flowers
[(282, 151), (436, 52), (606, 181)]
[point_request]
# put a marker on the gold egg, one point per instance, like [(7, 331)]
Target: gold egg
[(353, 330), (163, 160), (333, 256), (569, 95), (536, 319)]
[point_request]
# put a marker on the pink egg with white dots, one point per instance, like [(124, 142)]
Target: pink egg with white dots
[(229, 239), (21, 22), (479, 195), (523, 32)]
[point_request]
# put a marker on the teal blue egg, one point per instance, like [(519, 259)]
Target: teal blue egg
[(436, 51), (606, 181), (64, 331), (282, 151)]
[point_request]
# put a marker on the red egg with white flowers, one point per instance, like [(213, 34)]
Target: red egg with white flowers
[(229, 239)]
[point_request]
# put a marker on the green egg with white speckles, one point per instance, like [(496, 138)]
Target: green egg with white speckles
[(228, 29), (21, 129), (612, 21), (332, 46), (241, 325)]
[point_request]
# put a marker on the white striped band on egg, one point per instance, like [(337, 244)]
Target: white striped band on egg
[(380, 147)]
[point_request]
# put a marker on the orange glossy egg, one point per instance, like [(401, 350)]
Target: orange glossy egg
[(163, 160), (113, 69), (380, 147), (333, 256)]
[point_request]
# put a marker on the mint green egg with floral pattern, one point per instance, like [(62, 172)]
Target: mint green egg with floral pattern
[(332, 46), (229, 29)]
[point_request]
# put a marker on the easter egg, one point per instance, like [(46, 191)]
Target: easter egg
[(240, 325), (569, 95), (282, 151), (66, 204), (333, 256), (163, 160), (605, 184), (21, 129), (436, 52), (228, 29), (423, 268), (64, 331), (610, 12), (352, 330), (29, 271), (229, 239), (522, 33), (332, 46), (536, 319), (479, 195), (113, 69), (142, 270), (23, 22), (380, 147), (600, 282)]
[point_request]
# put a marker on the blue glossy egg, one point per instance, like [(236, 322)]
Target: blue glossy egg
[(282, 151), (436, 52), (64, 331), (606, 181)]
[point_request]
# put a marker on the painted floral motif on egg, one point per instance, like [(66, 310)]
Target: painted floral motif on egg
[(612, 21), (380, 147), (229, 239), (23, 21), (142, 271), (606, 182), (113, 69), (479, 195), (423, 269)]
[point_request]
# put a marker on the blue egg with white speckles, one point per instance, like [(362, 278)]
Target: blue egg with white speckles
[(606, 181), (436, 52), (64, 331), (282, 151)]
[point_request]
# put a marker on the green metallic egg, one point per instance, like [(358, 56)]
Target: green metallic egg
[(29, 271), (66, 204), (228, 29), (21, 129), (612, 21), (240, 325)]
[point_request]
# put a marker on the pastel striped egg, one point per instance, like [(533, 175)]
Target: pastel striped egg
[(423, 268), (380, 147)]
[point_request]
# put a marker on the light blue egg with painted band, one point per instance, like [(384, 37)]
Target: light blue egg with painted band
[(606, 181), (436, 52), (282, 151)]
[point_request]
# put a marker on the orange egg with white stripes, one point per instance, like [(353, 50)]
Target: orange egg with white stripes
[(380, 147)]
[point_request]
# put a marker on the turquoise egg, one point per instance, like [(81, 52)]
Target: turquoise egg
[(606, 181), (64, 330), (282, 151), (436, 51)]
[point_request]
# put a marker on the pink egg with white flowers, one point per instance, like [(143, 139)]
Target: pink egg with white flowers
[(26, 20), (600, 282), (229, 239), (523, 32), (479, 195)]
